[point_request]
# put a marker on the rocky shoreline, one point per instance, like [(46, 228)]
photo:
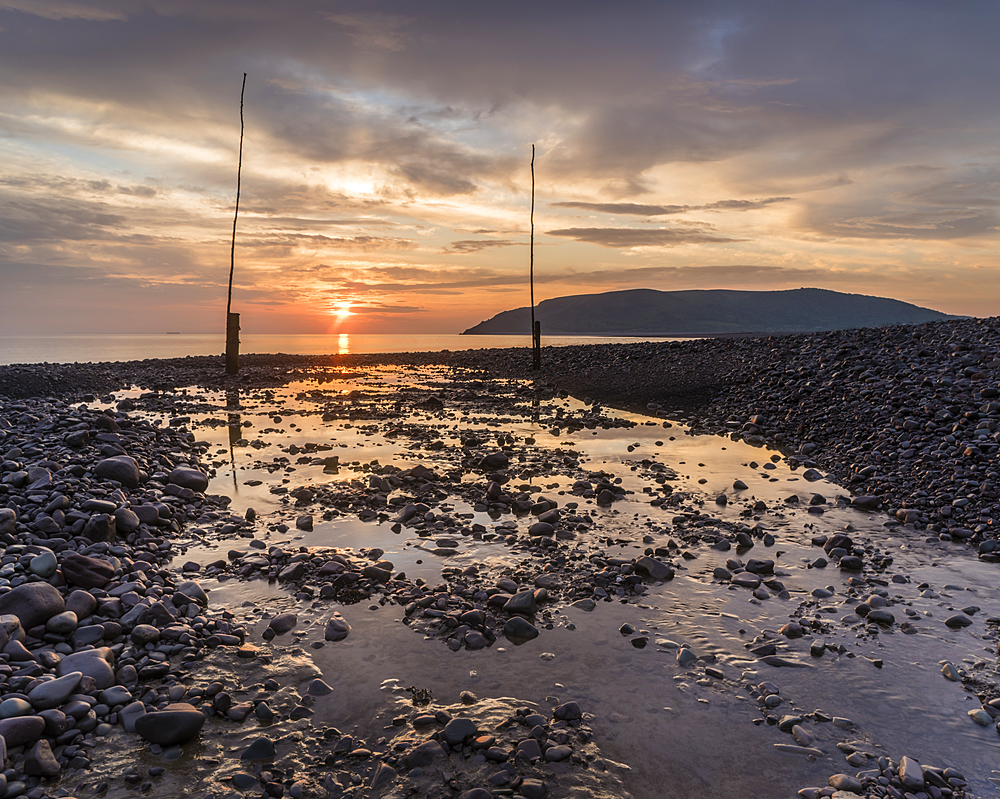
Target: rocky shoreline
[(99, 636), (909, 414)]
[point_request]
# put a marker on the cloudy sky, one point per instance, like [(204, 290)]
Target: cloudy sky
[(851, 145)]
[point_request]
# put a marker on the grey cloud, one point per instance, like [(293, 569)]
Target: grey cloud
[(26, 221), (742, 205), (362, 243), (929, 226), (660, 210), (468, 246), (630, 237), (624, 208), (62, 9)]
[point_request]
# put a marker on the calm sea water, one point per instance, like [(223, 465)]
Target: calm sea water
[(131, 347)]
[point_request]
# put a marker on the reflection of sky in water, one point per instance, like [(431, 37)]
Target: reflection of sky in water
[(653, 703)]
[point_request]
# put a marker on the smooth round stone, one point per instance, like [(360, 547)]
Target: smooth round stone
[(981, 717), (22, 730), (519, 630), (337, 628), (94, 663), (33, 603), (881, 616), (186, 477), (554, 754), (116, 695), (129, 714), (62, 623), (263, 749), (458, 730), (44, 564), (53, 693), (745, 580), (122, 468), (318, 688), (10, 708), (173, 725), (143, 634), (522, 602), (282, 623)]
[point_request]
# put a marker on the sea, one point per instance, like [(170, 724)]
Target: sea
[(97, 348)]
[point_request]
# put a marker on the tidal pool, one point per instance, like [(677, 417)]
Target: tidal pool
[(695, 729)]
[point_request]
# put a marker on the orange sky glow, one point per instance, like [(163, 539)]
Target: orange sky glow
[(386, 185)]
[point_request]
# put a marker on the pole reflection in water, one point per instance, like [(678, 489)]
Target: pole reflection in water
[(343, 344), (235, 426)]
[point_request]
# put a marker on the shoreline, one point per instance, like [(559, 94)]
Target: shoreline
[(892, 412)]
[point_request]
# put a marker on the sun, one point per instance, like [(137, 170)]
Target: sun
[(342, 310)]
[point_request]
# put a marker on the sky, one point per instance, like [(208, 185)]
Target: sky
[(386, 181)]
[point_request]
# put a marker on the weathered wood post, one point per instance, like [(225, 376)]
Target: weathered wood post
[(536, 346), (233, 319), (232, 343), (536, 327)]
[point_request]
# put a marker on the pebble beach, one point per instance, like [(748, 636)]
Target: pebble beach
[(445, 575)]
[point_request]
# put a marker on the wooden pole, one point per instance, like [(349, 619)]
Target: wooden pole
[(233, 319), (536, 336)]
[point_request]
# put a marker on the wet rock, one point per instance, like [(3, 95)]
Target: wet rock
[(121, 468), (653, 568), (94, 663), (32, 603), (283, 623), (911, 773), (456, 731), (262, 749), (40, 761), (522, 603), (186, 477), (21, 730), (85, 571), (53, 693), (100, 527), (177, 723), (422, 755), (337, 628), (518, 629)]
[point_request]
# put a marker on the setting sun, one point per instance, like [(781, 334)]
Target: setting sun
[(342, 310)]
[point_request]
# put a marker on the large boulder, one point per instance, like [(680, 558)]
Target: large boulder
[(186, 477), (100, 527), (21, 730), (32, 603), (8, 521), (86, 572), (122, 468), (96, 663), (173, 725)]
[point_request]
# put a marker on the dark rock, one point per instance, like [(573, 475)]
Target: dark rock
[(85, 571), (122, 468), (175, 724), (32, 603)]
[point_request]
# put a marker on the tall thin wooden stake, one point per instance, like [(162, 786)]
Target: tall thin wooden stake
[(536, 336), (233, 319)]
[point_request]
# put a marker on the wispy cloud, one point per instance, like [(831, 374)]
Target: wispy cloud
[(632, 237)]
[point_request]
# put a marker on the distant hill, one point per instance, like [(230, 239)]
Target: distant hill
[(651, 312)]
